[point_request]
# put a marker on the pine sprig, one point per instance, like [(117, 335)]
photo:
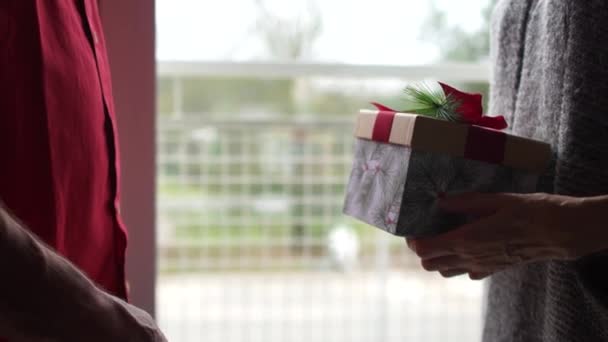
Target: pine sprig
[(424, 100)]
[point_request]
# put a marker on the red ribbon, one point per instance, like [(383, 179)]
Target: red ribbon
[(383, 108), (383, 126), (469, 107), (487, 145), (471, 110)]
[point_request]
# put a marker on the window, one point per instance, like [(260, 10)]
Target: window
[(256, 102)]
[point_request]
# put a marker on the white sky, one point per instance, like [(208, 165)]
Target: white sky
[(354, 31)]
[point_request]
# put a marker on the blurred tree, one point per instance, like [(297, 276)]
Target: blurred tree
[(289, 39), (458, 45), (285, 39), (455, 43)]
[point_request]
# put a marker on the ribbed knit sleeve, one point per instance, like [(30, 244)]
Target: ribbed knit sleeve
[(582, 167)]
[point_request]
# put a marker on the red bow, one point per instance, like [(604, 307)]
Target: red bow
[(469, 108)]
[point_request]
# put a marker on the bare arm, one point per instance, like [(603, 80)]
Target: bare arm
[(44, 297)]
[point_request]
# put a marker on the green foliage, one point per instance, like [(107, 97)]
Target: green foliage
[(455, 43), (220, 95), (424, 100)]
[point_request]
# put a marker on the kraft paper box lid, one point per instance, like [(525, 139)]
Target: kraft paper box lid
[(456, 139)]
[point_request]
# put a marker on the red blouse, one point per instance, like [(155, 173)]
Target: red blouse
[(58, 152)]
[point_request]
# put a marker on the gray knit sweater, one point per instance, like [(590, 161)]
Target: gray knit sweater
[(551, 79)]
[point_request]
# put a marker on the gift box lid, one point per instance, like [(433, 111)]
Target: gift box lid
[(456, 139)]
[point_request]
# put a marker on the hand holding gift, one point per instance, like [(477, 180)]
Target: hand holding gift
[(511, 229), (405, 162), (462, 192)]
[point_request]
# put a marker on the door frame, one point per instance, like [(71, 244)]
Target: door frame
[(130, 34)]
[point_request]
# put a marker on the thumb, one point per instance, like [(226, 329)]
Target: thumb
[(474, 203)]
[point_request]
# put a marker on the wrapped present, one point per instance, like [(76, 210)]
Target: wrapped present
[(405, 162)]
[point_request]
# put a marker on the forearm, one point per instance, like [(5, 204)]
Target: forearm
[(42, 295)]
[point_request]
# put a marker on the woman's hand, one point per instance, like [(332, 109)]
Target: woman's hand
[(512, 229)]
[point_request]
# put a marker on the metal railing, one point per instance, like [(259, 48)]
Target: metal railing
[(252, 242), (463, 72)]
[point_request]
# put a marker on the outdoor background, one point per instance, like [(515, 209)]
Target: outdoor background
[(256, 105)]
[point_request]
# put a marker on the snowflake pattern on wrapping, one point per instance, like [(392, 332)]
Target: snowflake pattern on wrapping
[(376, 183), (396, 189)]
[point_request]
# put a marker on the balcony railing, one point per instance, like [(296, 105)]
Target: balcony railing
[(462, 72)]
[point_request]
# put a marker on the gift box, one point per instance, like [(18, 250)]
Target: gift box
[(405, 162)]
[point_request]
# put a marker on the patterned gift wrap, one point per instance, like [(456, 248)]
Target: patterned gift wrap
[(404, 163)]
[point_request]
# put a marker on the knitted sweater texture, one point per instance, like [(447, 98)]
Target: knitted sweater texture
[(550, 79)]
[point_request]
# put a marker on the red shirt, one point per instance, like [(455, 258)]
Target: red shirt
[(59, 166)]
